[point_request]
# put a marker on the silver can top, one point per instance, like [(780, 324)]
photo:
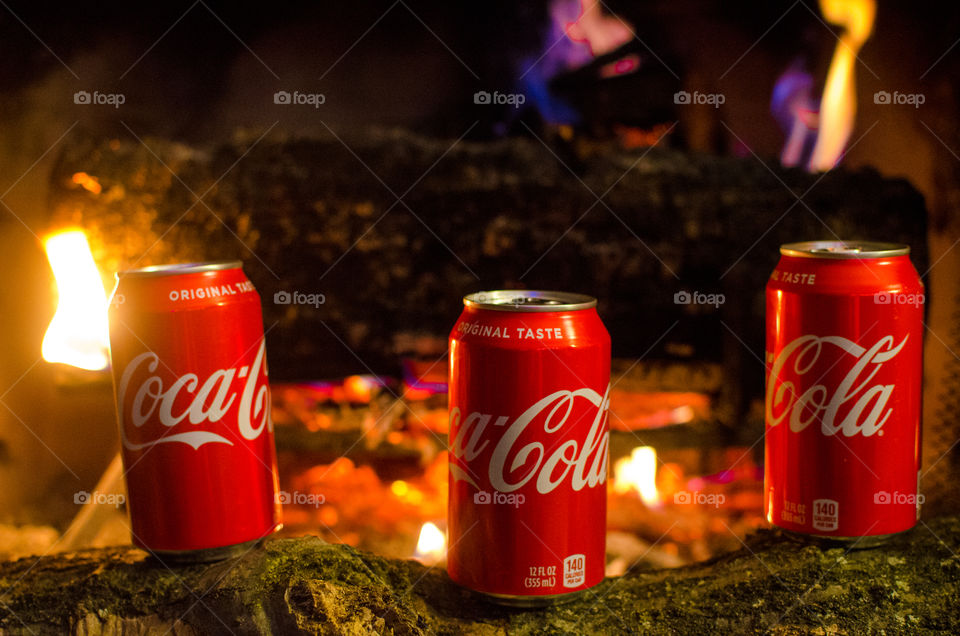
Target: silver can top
[(844, 249), (524, 300), (179, 268)]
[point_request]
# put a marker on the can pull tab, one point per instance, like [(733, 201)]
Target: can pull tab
[(844, 249), (527, 300), (838, 249)]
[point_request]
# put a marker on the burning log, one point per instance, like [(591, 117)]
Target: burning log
[(322, 217), (307, 586)]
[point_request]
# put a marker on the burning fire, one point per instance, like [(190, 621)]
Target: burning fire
[(601, 33), (839, 104), (638, 473), (78, 333), (432, 544), (797, 111), (578, 32)]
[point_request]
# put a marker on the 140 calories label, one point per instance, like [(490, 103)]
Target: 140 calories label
[(826, 514), (574, 570)]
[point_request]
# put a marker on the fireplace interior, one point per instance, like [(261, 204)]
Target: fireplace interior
[(384, 160)]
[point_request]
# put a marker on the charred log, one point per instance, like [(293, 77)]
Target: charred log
[(389, 230)]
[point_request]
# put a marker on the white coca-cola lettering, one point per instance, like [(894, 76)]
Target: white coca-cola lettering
[(868, 413), (585, 461), (151, 399), (255, 407), (474, 425)]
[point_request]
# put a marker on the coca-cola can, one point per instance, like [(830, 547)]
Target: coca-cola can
[(528, 398), (843, 392), (193, 407)]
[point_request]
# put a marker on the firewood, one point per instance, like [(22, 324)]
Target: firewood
[(773, 585), (322, 216)]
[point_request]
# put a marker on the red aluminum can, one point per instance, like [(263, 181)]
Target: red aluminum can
[(843, 394), (528, 394), (193, 407)]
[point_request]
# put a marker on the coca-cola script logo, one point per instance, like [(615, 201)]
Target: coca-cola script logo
[(151, 400), (805, 404), (584, 461)]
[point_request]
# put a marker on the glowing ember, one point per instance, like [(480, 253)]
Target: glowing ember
[(88, 183), (638, 473), (631, 411), (359, 389), (407, 493), (432, 544), (78, 333), (682, 414), (839, 105)]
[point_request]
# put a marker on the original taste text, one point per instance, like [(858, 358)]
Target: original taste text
[(794, 277), (211, 291), (518, 333)]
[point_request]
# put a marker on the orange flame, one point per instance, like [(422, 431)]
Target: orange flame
[(432, 544), (838, 107), (638, 473), (78, 333)]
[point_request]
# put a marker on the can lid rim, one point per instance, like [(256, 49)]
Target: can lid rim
[(529, 300), (844, 249), (179, 268)]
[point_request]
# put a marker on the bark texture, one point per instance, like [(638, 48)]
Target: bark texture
[(773, 585), (393, 228)]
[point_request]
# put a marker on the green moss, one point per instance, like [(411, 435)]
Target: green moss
[(305, 585)]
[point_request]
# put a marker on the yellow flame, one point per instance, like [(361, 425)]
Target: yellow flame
[(838, 107), (78, 333), (432, 543), (639, 473)]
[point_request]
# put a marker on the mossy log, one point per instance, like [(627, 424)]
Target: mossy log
[(773, 585)]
